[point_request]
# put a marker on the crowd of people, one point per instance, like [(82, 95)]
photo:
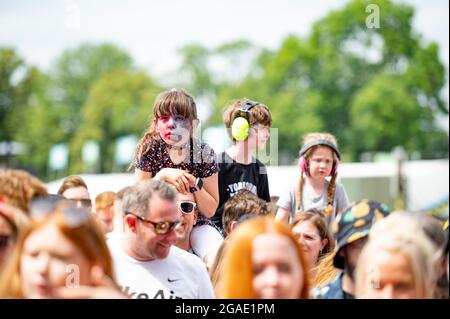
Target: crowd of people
[(200, 225)]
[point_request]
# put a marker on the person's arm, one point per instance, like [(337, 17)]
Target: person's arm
[(141, 175), (283, 215), (207, 198), (179, 178)]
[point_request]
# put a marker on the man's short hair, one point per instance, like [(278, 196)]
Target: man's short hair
[(104, 200), (243, 203), (19, 188), (121, 193), (137, 198), (72, 181)]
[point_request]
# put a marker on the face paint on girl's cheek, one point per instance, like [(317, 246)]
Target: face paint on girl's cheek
[(173, 129)]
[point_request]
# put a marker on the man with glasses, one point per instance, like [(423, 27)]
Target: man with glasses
[(75, 189), (146, 264)]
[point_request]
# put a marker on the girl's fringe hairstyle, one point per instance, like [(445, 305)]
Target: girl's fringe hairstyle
[(332, 186), (168, 102)]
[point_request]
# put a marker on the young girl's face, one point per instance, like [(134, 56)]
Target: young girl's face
[(321, 162), (49, 260), (174, 129)]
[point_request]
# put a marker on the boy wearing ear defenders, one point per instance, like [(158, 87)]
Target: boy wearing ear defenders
[(318, 159), (248, 123)]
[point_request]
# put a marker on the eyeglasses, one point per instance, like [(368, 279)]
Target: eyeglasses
[(4, 241), (187, 207), (85, 202), (161, 228)]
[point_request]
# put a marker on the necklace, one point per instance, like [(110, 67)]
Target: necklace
[(178, 148)]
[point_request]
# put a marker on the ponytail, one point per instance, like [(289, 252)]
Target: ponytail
[(301, 181)]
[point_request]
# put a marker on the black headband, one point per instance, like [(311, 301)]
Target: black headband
[(248, 106), (306, 147)]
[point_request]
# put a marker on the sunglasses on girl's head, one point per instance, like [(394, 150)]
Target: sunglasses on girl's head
[(187, 207)]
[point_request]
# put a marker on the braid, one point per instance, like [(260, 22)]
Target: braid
[(300, 191), (330, 195)]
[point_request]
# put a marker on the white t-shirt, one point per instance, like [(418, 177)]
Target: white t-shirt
[(204, 240), (180, 275)]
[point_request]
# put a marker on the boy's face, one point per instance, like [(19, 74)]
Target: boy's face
[(258, 135)]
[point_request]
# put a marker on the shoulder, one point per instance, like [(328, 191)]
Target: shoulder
[(153, 144), (204, 160), (206, 148), (340, 189), (222, 158), (185, 258), (261, 166), (333, 290)]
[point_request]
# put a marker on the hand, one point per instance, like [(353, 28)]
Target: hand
[(102, 287), (182, 180)]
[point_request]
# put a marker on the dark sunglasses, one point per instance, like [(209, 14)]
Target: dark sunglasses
[(161, 228), (4, 241), (187, 207), (85, 202), (73, 216)]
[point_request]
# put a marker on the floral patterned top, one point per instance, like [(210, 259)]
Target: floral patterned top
[(201, 162)]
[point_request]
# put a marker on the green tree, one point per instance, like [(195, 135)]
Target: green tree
[(74, 73), (13, 92), (344, 74), (119, 103), (39, 128), (27, 113)]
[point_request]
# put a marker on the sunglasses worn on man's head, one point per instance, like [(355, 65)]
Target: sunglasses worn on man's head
[(161, 228), (187, 207)]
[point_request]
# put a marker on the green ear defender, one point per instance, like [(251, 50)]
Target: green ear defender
[(240, 125)]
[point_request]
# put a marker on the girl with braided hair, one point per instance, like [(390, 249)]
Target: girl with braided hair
[(319, 159)]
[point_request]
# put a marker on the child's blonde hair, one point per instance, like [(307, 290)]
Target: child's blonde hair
[(310, 138)]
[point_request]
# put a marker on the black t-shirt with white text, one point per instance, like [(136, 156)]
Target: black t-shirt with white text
[(234, 176)]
